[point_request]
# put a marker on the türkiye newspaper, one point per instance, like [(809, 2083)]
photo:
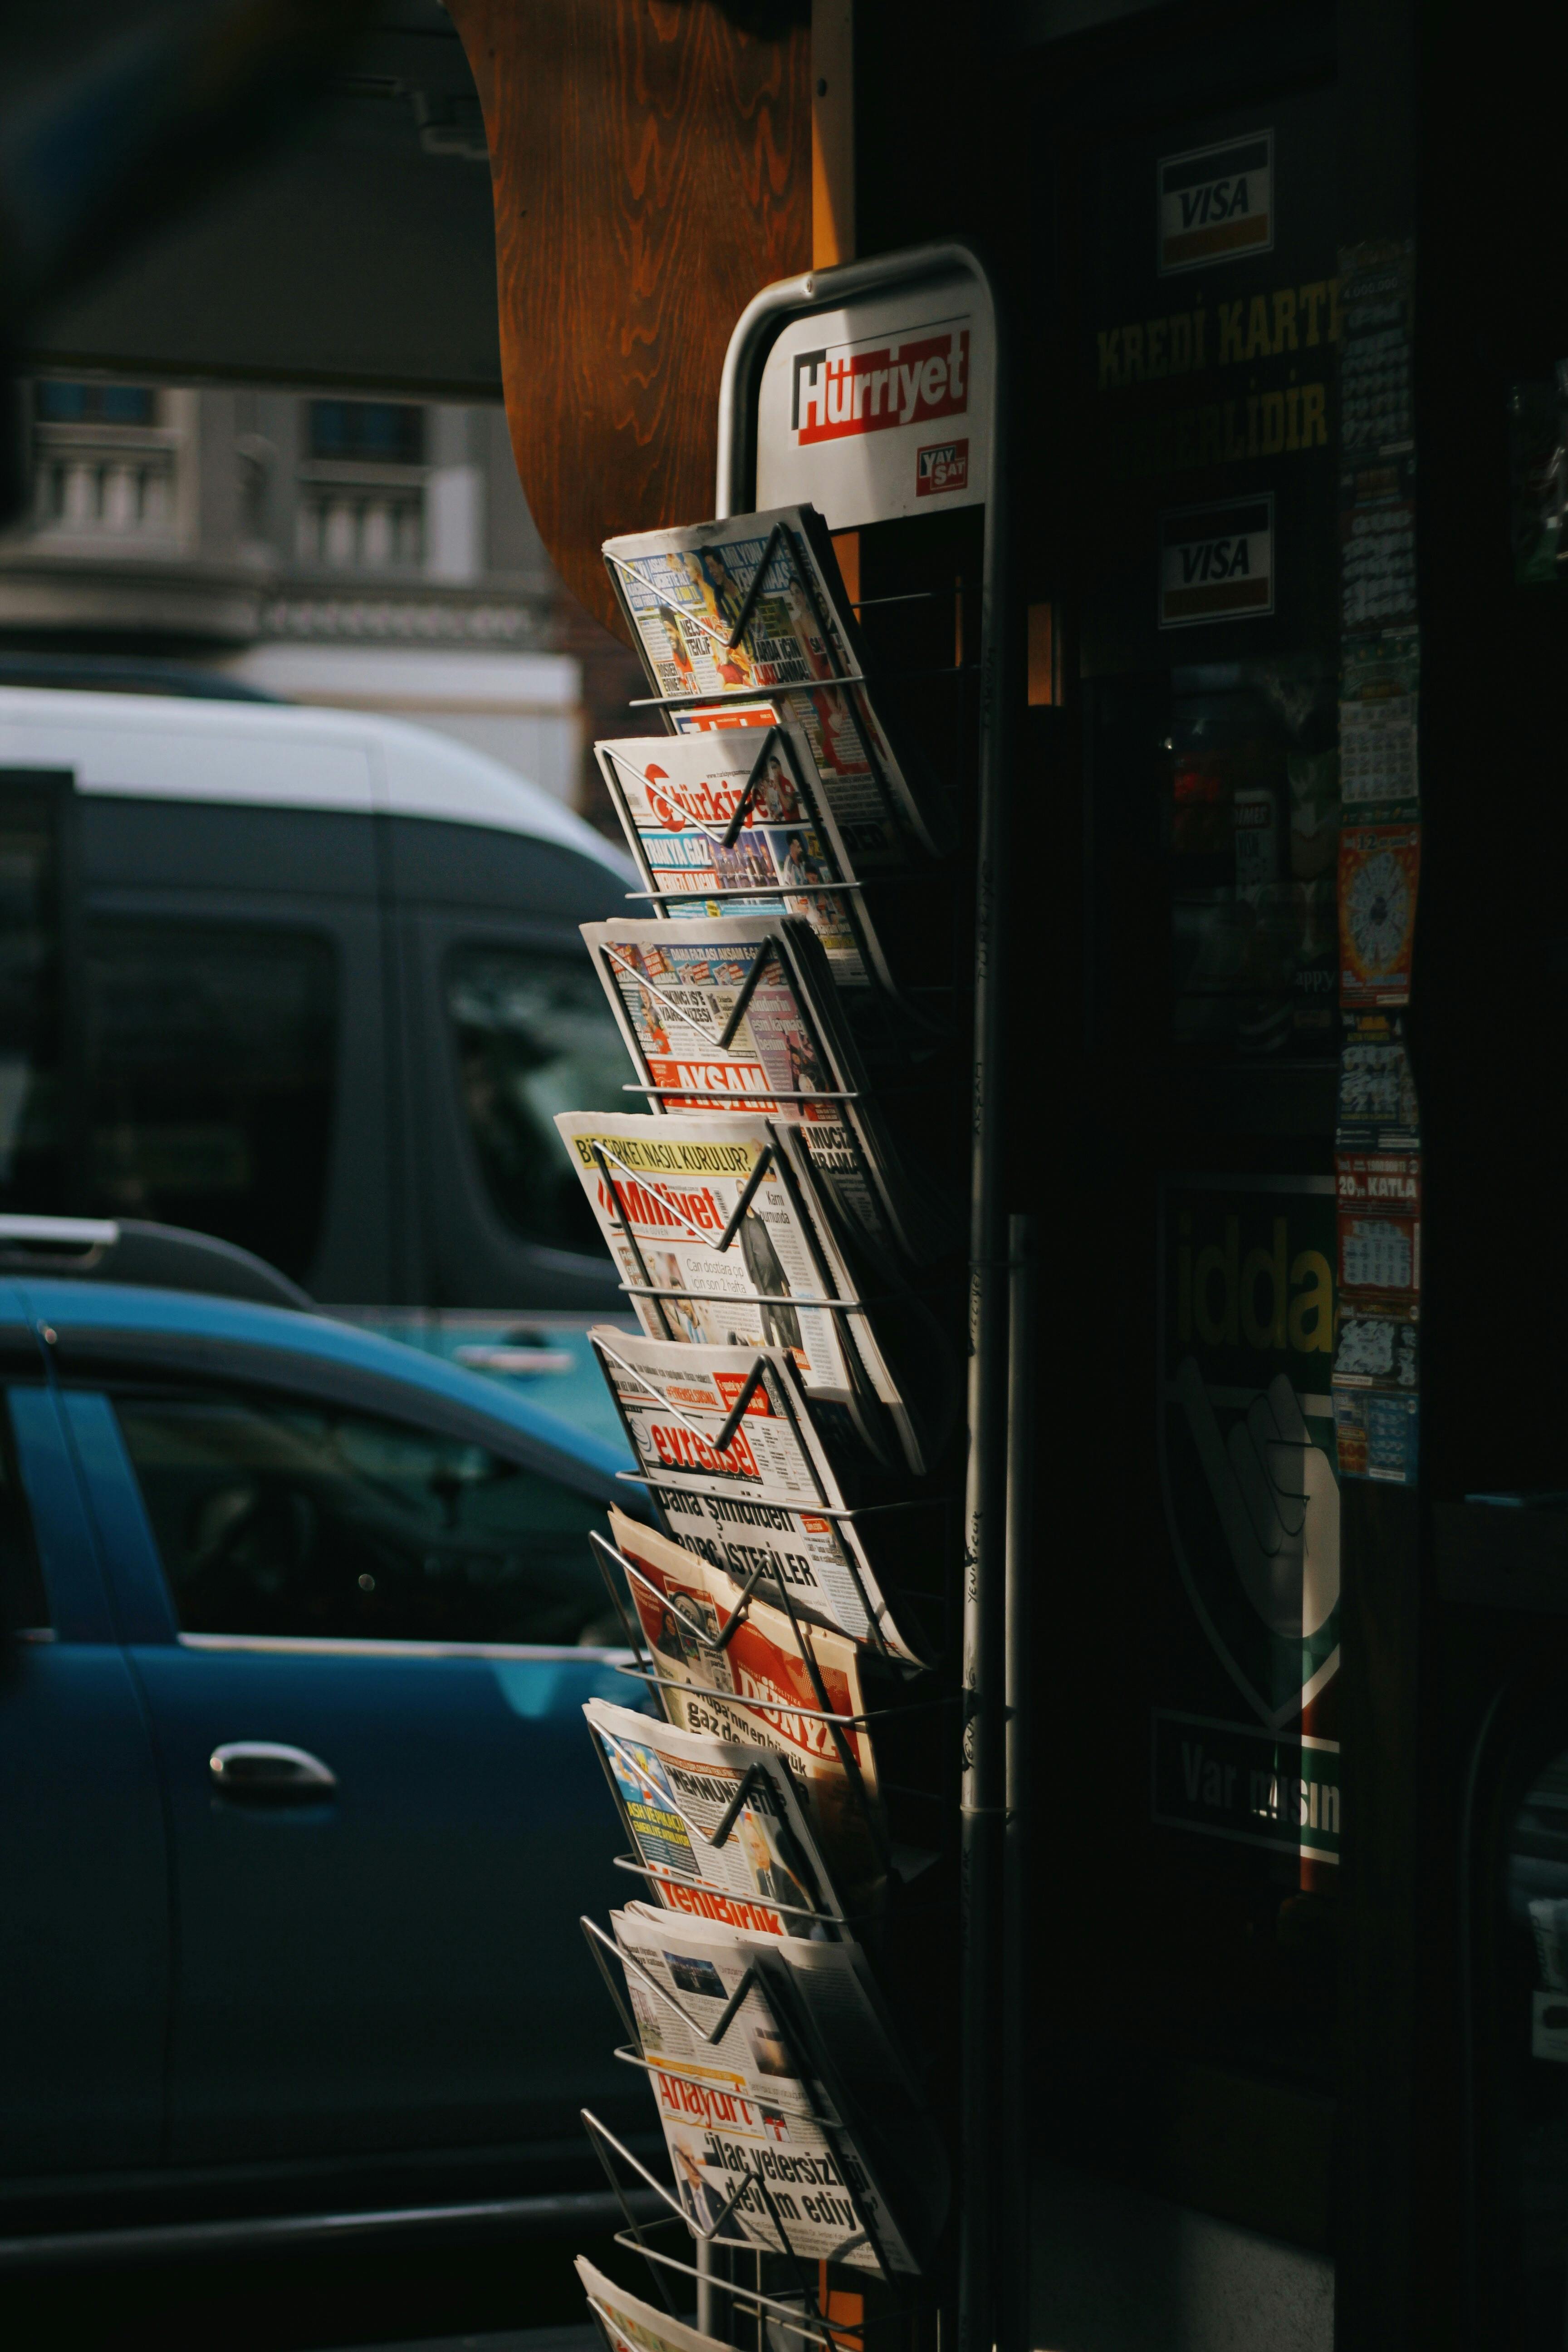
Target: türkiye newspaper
[(674, 1789), (771, 1498), (664, 1192), (758, 1690), (676, 988), (803, 2113), (683, 592), (677, 797)]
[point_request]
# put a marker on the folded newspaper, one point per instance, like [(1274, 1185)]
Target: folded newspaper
[(676, 1790), (800, 2128), (771, 582), (741, 1014), (678, 797), (665, 1191), (629, 2324), (757, 1690), (774, 1499)]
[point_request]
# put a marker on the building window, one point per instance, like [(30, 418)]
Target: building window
[(366, 433), (95, 404)]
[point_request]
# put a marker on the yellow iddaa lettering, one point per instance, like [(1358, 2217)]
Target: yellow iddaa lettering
[(1312, 1309), (1266, 1330)]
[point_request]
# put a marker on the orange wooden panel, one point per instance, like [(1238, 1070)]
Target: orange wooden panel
[(652, 169)]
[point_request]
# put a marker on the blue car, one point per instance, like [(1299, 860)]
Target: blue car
[(297, 1810)]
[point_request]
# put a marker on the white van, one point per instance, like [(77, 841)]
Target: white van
[(307, 979)]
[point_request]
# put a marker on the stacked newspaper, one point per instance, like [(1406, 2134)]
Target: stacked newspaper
[(744, 1673), (771, 1502), (750, 615), (722, 1237), (736, 822), (786, 1378), (629, 2324), (717, 1824), (791, 2121), (739, 1013)]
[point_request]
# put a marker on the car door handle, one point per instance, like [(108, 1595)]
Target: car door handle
[(266, 1772)]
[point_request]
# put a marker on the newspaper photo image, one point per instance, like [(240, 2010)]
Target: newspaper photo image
[(684, 592), (629, 2324), (759, 2105), (757, 1691), (677, 797), (677, 989), (770, 1499), (674, 1787)]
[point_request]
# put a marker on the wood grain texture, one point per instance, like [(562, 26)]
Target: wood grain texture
[(651, 167)]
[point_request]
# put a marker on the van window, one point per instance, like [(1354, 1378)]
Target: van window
[(534, 1035), (33, 1124), (210, 1059)]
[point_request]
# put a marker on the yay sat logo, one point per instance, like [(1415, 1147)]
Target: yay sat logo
[(1216, 563)]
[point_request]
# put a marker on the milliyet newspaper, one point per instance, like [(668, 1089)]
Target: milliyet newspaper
[(806, 2089), (664, 1192), (677, 988), (629, 2324), (674, 1789), (773, 1497), (678, 797), (684, 590), (757, 1691)]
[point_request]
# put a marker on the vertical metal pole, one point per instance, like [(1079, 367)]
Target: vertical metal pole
[(1014, 2315), (983, 1789), (710, 2302)]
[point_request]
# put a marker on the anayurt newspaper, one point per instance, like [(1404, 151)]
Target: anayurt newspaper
[(768, 2101), (677, 797), (684, 590), (674, 1789), (675, 989), (773, 1497), (757, 1691)]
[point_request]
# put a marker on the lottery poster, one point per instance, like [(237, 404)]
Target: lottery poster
[(1379, 869)]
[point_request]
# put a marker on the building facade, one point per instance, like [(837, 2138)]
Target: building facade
[(368, 555)]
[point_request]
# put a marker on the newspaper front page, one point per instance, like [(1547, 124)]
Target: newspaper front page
[(674, 1789), (675, 1182), (683, 592), (677, 796), (758, 1692), (773, 1497), (790, 1058), (632, 2326), (754, 2106)]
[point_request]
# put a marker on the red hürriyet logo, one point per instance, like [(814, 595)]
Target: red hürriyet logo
[(908, 382), (944, 466)]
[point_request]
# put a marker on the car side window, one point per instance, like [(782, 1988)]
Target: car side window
[(278, 1515), (23, 1599)]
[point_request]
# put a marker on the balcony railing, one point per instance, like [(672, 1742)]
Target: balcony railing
[(103, 487), (354, 519)]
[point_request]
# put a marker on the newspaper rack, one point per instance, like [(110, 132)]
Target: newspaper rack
[(991, 2235)]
